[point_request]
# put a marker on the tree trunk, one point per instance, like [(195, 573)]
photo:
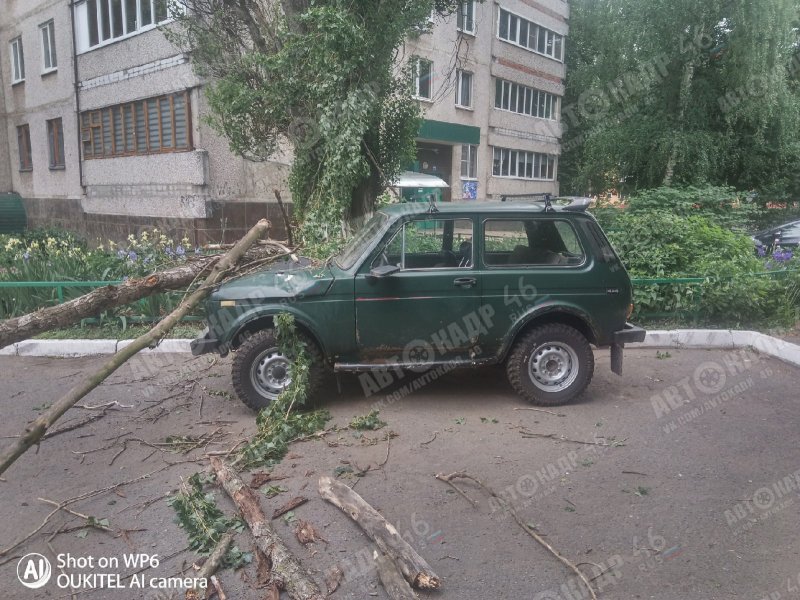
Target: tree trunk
[(286, 569), (684, 96), (35, 430), (414, 568), (24, 327)]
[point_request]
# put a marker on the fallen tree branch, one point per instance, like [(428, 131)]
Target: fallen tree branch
[(286, 569), (37, 429), (462, 475), (211, 565), (180, 277), (413, 567)]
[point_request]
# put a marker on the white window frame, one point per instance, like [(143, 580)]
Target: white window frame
[(461, 17), (47, 32), (17, 56), (515, 158), (470, 160), (417, 60), (531, 98), (82, 23), (514, 39), (459, 88)]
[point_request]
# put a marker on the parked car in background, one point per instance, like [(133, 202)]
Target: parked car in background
[(785, 236)]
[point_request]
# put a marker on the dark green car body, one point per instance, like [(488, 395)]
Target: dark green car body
[(374, 306)]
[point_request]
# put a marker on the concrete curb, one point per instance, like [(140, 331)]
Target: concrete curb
[(709, 339)]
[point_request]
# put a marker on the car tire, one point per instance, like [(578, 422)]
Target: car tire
[(260, 371), (550, 365)]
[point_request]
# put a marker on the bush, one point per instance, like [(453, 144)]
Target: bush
[(660, 244)]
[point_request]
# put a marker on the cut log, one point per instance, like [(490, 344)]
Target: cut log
[(286, 569), (396, 586), (91, 304), (413, 567), (36, 429)]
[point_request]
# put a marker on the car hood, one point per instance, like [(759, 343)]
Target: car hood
[(278, 282)]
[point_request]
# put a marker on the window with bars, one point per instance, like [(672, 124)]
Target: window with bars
[(102, 21), (24, 145), (466, 17), (525, 33), (520, 164), (49, 60), (55, 141), (17, 61), (524, 100), (464, 89), (151, 126)]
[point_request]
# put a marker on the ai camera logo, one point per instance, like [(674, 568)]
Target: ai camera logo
[(33, 570)]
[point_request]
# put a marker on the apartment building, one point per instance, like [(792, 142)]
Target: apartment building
[(491, 80), (101, 127), (102, 120)]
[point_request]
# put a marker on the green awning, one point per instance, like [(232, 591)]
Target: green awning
[(453, 133)]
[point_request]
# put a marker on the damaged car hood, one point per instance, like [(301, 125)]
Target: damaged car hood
[(278, 282)]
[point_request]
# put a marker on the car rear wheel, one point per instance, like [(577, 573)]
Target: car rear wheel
[(551, 365), (261, 372)]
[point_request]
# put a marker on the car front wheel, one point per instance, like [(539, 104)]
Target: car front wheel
[(551, 365), (261, 372)]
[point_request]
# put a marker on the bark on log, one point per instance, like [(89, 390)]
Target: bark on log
[(26, 326), (413, 567), (35, 430), (396, 586), (286, 569)]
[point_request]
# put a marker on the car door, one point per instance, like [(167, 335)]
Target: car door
[(415, 315)]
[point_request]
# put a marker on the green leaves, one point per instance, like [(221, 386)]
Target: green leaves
[(370, 421)]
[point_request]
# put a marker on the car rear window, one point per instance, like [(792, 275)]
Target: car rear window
[(531, 242)]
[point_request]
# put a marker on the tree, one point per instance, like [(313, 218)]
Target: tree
[(681, 92), (321, 75)]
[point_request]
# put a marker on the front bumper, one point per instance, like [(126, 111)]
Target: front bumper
[(205, 344), (629, 335)]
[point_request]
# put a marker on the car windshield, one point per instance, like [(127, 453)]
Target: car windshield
[(355, 247)]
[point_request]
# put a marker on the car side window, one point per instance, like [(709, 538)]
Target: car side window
[(531, 242), (430, 244)]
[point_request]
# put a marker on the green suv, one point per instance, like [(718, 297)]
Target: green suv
[(531, 285)]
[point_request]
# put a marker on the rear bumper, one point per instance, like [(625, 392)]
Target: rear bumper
[(204, 344), (630, 334)]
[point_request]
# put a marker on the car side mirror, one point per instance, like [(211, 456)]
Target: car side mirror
[(384, 271)]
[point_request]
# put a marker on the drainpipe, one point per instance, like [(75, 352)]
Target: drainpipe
[(77, 92)]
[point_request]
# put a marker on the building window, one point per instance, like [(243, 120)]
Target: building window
[(524, 100), (55, 142), (151, 126), (24, 145), (464, 89), (528, 34), (423, 78), (103, 21), (469, 161), (49, 61), (466, 17), (17, 61), (520, 164)]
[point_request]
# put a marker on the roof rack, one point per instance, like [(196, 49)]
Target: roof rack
[(547, 199), (576, 204)]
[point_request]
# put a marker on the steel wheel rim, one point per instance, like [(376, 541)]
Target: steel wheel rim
[(553, 366), (270, 373)]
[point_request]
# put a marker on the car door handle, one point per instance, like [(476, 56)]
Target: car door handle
[(465, 281)]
